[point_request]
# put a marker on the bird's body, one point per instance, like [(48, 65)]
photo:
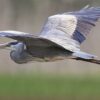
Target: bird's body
[(59, 39), (40, 54)]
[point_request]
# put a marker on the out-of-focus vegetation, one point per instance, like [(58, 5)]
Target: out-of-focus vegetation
[(49, 86)]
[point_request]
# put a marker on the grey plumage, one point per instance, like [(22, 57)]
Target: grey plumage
[(59, 39)]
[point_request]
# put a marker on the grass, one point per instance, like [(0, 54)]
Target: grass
[(42, 85)]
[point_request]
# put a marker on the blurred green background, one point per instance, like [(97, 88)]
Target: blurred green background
[(67, 79)]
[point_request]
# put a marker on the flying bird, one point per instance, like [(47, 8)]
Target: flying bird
[(60, 38)]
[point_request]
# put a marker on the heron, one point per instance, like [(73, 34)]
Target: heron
[(59, 39)]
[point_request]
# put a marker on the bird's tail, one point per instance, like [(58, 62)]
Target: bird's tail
[(79, 55)]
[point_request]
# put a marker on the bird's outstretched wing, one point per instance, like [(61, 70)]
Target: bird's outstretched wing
[(67, 30), (70, 29), (28, 39)]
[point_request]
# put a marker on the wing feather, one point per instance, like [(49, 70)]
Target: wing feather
[(59, 29), (71, 29), (87, 19), (28, 39)]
